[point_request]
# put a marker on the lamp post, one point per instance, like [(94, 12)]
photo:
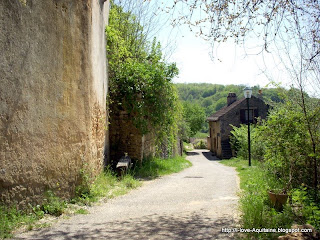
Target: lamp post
[(247, 94)]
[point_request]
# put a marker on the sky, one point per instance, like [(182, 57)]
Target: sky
[(231, 64)]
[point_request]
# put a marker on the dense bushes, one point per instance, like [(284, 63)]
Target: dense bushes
[(284, 143), (287, 147), (140, 81)]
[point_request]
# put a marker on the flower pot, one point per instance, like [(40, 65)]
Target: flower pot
[(278, 199)]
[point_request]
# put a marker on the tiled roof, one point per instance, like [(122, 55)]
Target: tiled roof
[(215, 117)]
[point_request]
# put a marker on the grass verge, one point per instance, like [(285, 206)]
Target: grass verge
[(201, 135), (106, 185), (11, 218), (257, 211), (156, 167)]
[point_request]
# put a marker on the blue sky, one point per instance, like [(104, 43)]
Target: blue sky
[(231, 63)]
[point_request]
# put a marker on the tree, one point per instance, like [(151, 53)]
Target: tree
[(194, 117), (140, 81)]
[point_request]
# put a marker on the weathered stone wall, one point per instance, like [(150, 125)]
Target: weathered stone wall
[(52, 95), (148, 145), (126, 138)]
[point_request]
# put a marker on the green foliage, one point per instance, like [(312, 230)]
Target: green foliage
[(194, 117), (201, 135), (106, 184), (290, 150), (12, 218), (140, 82), (187, 147), (305, 207), (239, 141), (82, 211), (155, 167), (200, 145), (257, 211), (52, 204)]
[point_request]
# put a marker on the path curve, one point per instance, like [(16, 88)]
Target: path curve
[(193, 204)]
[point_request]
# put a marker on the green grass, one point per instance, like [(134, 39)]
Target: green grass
[(201, 135), (105, 185), (156, 167), (82, 211), (187, 147), (257, 211), (11, 218)]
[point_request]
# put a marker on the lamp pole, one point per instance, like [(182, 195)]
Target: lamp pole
[(247, 93), (249, 145)]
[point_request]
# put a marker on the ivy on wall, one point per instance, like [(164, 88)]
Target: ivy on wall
[(140, 81)]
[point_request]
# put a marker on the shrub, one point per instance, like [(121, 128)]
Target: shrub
[(305, 207), (239, 141), (52, 204), (200, 145)]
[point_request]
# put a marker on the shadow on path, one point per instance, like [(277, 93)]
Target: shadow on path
[(192, 153), (192, 226), (210, 156)]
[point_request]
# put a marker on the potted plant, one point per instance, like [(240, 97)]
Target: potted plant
[(278, 197)]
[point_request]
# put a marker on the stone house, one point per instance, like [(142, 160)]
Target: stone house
[(234, 113)]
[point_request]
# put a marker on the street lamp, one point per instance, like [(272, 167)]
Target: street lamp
[(247, 94)]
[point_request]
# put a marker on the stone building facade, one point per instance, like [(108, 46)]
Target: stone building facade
[(52, 95), (234, 113)]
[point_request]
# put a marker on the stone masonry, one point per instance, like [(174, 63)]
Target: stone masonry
[(52, 95)]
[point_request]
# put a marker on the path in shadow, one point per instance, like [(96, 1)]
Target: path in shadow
[(191, 226), (210, 156), (192, 153)]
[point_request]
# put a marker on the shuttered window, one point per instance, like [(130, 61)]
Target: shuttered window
[(253, 114)]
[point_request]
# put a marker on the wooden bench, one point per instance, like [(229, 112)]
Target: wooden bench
[(123, 165)]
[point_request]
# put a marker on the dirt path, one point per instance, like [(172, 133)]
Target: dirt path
[(193, 204)]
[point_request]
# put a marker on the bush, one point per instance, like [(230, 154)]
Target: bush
[(52, 204), (257, 211), (305, 207), (200, 145), (289, 146), (239, 141)]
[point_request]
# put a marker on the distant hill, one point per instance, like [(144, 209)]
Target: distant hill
[(212, 97)]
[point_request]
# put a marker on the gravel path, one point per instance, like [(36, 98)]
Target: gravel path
[(193, 204)]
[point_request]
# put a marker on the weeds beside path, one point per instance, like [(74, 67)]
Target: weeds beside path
[(256, 209)]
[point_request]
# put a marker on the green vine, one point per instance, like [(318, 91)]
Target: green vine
[(140, 81)]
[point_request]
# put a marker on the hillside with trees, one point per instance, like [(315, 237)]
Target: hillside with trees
[(209, 98)]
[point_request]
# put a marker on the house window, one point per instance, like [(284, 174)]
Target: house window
[(250, 115), (253, 113)]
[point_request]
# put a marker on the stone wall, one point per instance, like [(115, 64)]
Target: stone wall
[(52, 95), (126, 138)]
